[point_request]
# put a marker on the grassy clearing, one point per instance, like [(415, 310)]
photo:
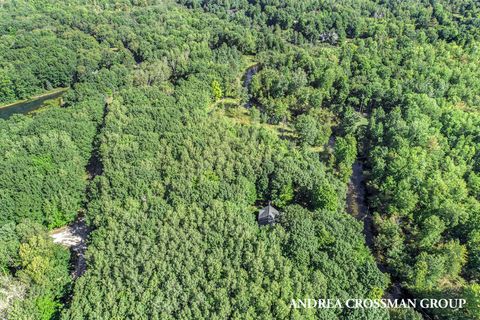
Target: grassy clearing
[(231, 108), (248, 61)]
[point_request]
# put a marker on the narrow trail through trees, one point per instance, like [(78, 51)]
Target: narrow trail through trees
[(75, 235)]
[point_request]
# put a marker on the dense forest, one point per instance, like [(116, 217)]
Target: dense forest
[(181, 119)]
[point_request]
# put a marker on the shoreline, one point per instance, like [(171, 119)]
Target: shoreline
[(53, 91)]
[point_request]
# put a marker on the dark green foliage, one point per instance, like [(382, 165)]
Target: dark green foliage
[(185, 232), (180, 176)]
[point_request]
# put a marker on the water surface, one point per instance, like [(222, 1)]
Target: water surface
[(247, 80), (30, 105)]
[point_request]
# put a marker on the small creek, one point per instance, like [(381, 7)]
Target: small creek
[(357, 207), (248, 76), (357, 204)]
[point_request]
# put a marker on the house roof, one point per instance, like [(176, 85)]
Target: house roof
[(268, 212)]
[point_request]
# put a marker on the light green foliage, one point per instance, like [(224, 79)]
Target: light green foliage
[(326, 197), (42, 267), (174, 206), (202, 208), (306, 127), (217, 90), (404, 314), (431, 232), (345, 152), (314, 128)]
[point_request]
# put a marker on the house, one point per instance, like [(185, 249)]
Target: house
[(267, 215)]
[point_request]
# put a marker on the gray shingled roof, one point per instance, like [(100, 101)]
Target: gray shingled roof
[(267, 214)]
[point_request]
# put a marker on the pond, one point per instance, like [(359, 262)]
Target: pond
[(30, 105)]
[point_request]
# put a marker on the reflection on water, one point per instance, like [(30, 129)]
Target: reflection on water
[(28, 106)]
